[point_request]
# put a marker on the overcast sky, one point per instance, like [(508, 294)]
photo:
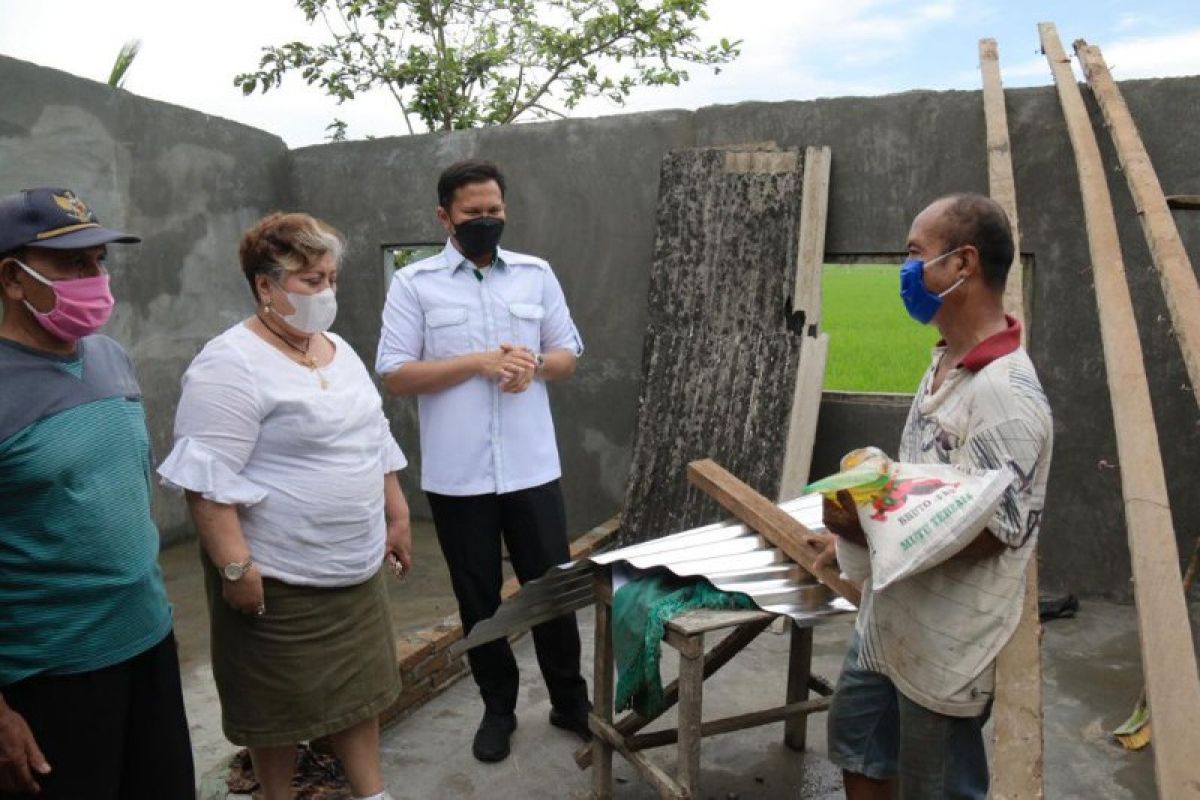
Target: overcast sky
[(792, 50)]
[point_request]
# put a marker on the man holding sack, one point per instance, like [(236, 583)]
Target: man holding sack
[(918, 680)]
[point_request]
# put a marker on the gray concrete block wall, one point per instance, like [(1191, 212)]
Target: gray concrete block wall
[(187, 183), (582, 194)]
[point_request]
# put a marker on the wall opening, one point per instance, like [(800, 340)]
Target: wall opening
[(874, 346), (399, 256)]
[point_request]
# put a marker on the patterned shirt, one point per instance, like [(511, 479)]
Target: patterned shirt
[(476, 439), (937, 634), (80, 587)]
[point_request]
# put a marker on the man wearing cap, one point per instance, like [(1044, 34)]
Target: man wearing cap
[(90, 698)]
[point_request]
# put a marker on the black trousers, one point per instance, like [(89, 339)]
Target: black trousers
[(117, 733), (533, 525)]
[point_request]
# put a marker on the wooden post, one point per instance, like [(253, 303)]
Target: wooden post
[(814, 348), (691, 711), (602, 676), (810, 253), (795, 730), (1168, 655), (759, 513), (1179, 284), (1018, 754)]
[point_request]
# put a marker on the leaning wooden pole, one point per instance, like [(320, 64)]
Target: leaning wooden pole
[(1168, 657), (1018, 752), (1166, 248)]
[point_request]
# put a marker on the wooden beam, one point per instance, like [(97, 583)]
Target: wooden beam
[(802, 424), (799, 711), (1002, 185), (810, 252), (601, 747), (789, 535), (1168, 655), (800, 650), (1018, 753), (655, 775), (1179, 284), (1184, 202), (690, 714)]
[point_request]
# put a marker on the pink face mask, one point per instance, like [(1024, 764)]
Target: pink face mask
[(81, 306)]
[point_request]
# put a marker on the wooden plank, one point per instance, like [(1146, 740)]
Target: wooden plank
[(792, 711), (691, 711), (756, 511), (703, 620), (1168, 655), (806, 301), (602, 706), (653, 774), (714, 659), (802, 425), (1018, 754), (800, 650), (810, 253), (1184, 202), (1179, 284), (1001, 183)]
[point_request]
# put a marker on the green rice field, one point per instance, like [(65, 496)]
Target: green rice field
[(874, 346)]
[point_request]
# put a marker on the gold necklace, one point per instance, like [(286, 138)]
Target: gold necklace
[(305, 359)]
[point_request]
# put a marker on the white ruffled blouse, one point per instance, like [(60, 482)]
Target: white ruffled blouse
[(303, 464)]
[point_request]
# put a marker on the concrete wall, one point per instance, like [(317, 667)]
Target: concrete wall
[(582, 194), (188, 183)]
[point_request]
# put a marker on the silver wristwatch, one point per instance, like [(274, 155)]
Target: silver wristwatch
[(539, 363), (236, 570)]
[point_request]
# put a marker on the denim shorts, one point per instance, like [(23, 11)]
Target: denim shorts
[(876, 731)]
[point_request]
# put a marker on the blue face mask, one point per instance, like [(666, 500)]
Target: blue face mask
[(921, 303)]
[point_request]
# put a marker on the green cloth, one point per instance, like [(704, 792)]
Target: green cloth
[(641, 610)]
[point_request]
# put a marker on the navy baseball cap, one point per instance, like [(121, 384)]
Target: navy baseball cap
[(52, 218)]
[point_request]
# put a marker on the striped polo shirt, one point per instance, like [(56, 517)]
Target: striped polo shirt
[(80, 587), (936, 634)]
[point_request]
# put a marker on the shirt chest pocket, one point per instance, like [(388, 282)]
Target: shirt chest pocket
[(446, 332), (526, 324)]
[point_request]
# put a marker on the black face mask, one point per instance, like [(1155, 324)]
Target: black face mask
[(479, 236)]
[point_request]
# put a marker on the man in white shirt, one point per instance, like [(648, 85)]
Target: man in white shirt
[(918, 680), (475, 332)]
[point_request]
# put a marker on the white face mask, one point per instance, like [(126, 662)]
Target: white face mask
[(314, 312)]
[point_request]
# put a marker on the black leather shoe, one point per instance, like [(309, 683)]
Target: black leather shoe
[(491, 740), (573, 720)]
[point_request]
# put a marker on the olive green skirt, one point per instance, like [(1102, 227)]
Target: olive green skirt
[(319, 661)]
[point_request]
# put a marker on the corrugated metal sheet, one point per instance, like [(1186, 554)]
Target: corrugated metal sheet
[(728, 554)]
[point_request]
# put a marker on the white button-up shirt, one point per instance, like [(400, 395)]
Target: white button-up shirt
[(476, 439)]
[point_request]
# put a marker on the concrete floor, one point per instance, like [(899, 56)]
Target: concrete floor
[(1092, 675)]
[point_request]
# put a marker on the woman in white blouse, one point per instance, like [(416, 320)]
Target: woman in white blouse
[(290, 467)]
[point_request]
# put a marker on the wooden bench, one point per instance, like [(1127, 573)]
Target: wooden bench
[(686, 633)]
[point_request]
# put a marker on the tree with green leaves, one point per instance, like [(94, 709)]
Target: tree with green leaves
[(465, 63)]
